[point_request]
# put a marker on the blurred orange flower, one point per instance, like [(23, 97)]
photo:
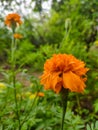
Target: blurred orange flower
[(17, 36), (40, 94), (65, 71), (13, 19)]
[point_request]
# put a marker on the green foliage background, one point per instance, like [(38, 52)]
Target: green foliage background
[(69, 27)]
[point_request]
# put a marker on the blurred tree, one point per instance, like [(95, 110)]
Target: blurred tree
[(50, 27), (38, 5), (57, 5)]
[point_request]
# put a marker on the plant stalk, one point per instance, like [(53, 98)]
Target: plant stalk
[(13, 49), (64, 97)]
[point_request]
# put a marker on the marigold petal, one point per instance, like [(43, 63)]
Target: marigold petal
[(56, 82), (46, 80), (73, 82), (52, 81)]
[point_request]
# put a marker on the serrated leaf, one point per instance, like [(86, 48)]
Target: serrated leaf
[(88, 127)]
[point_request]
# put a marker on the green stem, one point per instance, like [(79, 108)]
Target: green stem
[(64, 96), (78, 103), (13, 49), (16, 104), (66, 37)]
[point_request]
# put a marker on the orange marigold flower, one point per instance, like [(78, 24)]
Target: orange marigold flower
[(17, 36), (40, 94), (13, 19), (65, 71)]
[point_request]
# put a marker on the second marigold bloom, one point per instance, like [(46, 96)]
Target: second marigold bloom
[(13, 19), (65, 71), (17, 36), (40, 94)]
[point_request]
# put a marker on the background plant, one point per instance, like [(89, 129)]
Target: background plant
[(43, 36)]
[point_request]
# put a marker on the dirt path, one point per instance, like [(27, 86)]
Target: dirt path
[(23, 78)]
